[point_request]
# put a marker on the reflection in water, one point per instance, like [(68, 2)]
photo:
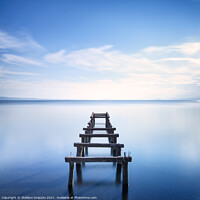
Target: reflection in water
[(80, 181), (124, 192), (71, 192)]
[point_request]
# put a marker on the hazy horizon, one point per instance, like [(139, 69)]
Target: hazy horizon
[(23, 98)]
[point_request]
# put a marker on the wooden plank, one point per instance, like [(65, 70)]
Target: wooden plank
[(99, 116), (98, 145), (99, 113), (99, 159), (98, 135), (99, 129)]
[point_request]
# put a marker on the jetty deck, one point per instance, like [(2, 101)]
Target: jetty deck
[(82, 149)]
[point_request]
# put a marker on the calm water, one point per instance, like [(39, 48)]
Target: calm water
[(163, 138)]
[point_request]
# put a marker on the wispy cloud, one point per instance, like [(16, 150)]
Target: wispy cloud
[(4, 72), (159, 72), (19, 60), (185, 48), (101, 59), (156, 72), (16, 49), (106, 59), (92, 58), (23, 43)]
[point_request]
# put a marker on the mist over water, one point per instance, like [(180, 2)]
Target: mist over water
[(163, 138)]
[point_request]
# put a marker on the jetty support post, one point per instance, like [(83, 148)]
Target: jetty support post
[(86, 151), (109, 140), (71, 175), (84, 140), (125, 173), (80, 151), (79, 172), (93, 122), (83, 152), (87, 138), (116, 151), (111, 151), (107, 122), (92, 119), (112, 140), (118, 172)]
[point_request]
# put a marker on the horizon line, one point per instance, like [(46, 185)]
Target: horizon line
[(39, 99)]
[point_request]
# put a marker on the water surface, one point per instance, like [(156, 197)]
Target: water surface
[(163, 138)]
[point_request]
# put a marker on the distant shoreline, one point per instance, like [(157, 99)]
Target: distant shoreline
[(95, 101)]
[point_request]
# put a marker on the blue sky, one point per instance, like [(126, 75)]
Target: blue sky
[(96, 49)]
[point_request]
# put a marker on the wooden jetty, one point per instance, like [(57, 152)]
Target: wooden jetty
[(82, 147)]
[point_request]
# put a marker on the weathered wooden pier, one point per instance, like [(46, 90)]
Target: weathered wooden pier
[(82, 149)]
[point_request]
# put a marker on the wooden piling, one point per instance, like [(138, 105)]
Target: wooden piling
[(86, 151), (118, 173), (82, 152), (114, 151), (83, 139), (79, 172), (125, 173), (119, 151), (79, 151), (71, 175)]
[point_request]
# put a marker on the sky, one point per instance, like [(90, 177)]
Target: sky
[(100, 49)]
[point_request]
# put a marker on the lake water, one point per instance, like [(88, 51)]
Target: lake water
[(162, 136)]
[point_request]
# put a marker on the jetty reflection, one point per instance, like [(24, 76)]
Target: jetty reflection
[(80, 181)]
